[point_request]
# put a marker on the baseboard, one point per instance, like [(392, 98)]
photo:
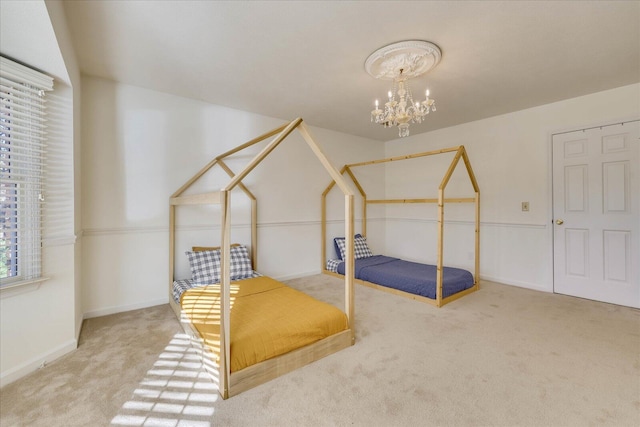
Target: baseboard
[(519, 284), (79, 327), (122, 308), (34, 364)]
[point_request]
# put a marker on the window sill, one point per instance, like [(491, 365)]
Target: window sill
[(18, 288)]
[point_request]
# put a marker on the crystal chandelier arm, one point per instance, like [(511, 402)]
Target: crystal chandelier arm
[(399, 62)]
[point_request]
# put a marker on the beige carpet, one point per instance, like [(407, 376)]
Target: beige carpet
[(502, 356)]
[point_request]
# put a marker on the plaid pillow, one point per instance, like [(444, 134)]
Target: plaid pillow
[(360, 248), (205, 266), (240, 263), (339, 242), (179, 286), (332, 265)]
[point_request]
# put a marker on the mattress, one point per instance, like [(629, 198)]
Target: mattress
[(411, 277), (268, 319)]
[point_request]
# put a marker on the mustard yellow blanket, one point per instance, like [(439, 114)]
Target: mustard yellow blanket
[(268, 319)]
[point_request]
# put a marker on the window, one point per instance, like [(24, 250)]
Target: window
[(23, 143)]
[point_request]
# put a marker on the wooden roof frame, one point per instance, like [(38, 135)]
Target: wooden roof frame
[(460, 153), (251, 376)]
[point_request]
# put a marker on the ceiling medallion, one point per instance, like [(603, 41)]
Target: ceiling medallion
[(400, 62)]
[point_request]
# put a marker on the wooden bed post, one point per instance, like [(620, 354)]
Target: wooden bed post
[(225, 300), (172, 247), (364, 216), (440, 261), (254, 233), (477, 243), (323, 215), (364, 198), (350, 265), (476, 188), (254, 214), (323, 232), (441, 200)]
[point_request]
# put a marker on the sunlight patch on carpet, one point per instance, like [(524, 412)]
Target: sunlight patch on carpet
[(176, 392)]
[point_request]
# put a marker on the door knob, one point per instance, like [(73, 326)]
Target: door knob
[(559, 221)]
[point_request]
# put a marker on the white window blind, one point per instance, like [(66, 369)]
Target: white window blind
[(58, 226), (23, 142)]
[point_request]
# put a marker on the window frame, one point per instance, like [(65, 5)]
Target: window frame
[(23, 142)]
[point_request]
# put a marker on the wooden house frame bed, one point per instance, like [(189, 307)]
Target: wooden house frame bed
[(441, 200), (231, 383)]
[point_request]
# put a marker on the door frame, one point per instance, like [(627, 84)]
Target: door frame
[(550, 218)]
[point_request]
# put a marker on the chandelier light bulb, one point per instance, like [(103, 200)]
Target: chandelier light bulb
[(404, 110)]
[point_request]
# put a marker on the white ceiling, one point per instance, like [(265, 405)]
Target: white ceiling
[(287, 59), (27, 36)]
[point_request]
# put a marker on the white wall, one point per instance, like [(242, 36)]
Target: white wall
[(140, 146), (40, 323), (511, 159)]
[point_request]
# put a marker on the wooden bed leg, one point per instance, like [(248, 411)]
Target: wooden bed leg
[(440, 263), (225, 297), (477, 247), (350, 266), (172, 247), (323, 233)]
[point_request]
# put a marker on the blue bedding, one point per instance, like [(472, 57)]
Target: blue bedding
[(412, 277)]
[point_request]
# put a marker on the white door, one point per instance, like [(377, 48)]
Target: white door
[(596, 215)]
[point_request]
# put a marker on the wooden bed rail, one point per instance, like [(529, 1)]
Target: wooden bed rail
[(441, 200), (197, 199)]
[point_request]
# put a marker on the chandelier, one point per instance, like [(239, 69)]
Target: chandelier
[(400, 62)]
